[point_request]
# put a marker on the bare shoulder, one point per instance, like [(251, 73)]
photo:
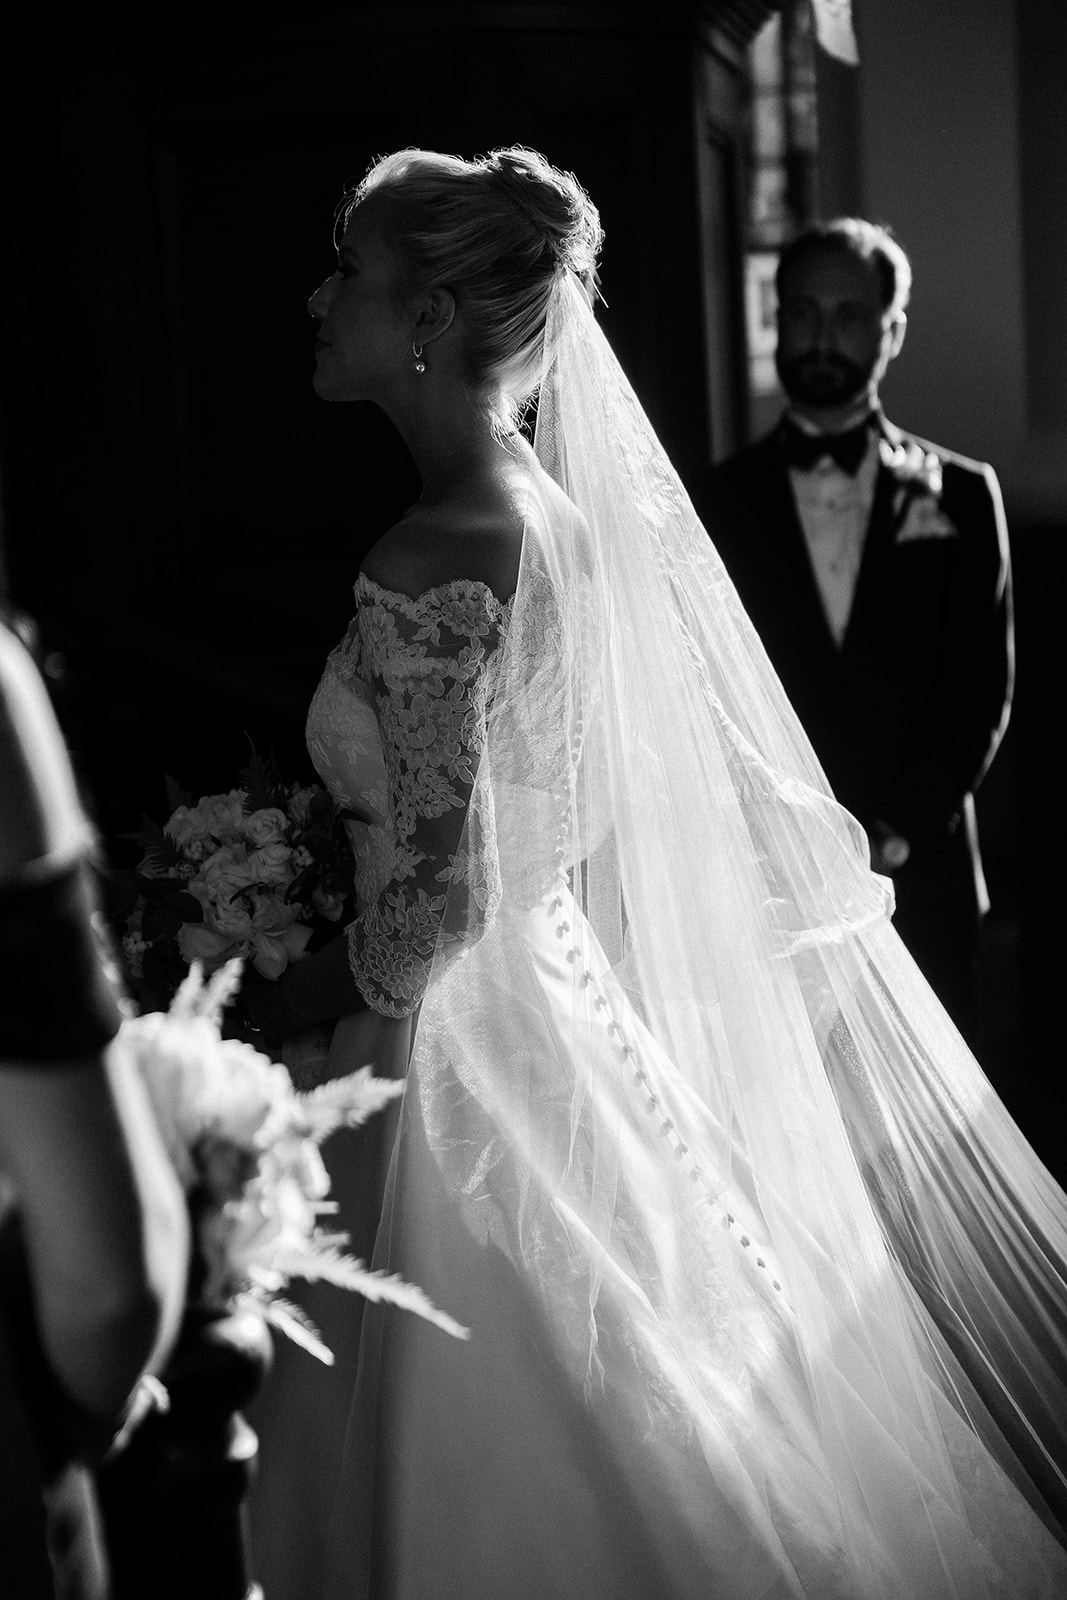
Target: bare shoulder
[(477, 535)]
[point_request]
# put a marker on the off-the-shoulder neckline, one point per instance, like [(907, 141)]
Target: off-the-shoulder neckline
[(428, 597)]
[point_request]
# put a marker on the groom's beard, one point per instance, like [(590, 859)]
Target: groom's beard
[(822, 380)]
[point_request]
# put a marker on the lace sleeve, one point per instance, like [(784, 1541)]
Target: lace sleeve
[(429, 663)]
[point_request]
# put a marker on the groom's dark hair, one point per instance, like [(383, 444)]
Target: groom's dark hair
[(868, 241)]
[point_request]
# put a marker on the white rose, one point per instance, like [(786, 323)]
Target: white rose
[(229, 860), (272, 863), (177, 1062), (218, 885), (272, 912), (225, 813), (248, 1090), (232, 919), (275, 1221), (182, 827), (142, 1038), (219, 816), (268, 825)]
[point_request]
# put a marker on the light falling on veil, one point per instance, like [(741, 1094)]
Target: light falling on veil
[(730, 1171)]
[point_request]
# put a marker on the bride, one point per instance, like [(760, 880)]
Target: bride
[(765, 1290)]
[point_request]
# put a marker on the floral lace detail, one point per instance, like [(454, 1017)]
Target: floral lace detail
[(346, 749), (429, 664)]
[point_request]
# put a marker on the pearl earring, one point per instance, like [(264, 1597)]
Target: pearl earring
[(420, 365)]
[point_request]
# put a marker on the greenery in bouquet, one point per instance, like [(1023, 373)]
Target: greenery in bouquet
[(245, 1145), (262, 872)]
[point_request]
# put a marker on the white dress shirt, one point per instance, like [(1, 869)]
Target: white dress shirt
[(834, 510)]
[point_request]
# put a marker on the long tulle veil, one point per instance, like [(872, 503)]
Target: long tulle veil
[(676, 1071)]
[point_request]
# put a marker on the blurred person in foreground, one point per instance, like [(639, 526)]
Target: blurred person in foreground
[(93, 1229), (875, 568)]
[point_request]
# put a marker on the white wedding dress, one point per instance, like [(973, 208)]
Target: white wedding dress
[(764, 1289)]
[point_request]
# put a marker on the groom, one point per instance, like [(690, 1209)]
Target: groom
[(875, 569)]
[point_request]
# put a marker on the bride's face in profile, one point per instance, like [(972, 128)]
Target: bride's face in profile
[(363, 348)]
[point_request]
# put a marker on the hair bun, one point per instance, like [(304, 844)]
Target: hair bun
[(554, 203)]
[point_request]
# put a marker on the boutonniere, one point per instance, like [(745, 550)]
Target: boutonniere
[(917, 492)]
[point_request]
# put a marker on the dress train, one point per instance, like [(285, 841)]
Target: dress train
[(505, 1466)]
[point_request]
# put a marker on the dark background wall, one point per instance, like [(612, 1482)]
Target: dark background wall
[(183, 517)]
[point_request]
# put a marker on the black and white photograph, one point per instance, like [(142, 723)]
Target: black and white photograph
[(533, 537)]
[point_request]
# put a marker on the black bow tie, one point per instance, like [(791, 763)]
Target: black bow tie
[(803, 450)]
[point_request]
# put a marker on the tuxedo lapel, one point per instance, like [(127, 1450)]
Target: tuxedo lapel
[(870, 589), (788, 560)]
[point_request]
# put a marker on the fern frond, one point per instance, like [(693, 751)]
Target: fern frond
[(391, 1288), (261, 781), (195, 998), (294, 1322), (161, 854), (222, 986), (329, 1265), (177, 794), (348, 1102)]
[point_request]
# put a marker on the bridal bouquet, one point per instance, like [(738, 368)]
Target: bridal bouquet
[(245, 1145), (255, 872)]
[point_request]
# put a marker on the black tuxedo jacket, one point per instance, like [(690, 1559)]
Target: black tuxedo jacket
[(906, 714)]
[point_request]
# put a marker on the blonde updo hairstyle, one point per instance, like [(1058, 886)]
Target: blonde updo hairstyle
[(497, 233)]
